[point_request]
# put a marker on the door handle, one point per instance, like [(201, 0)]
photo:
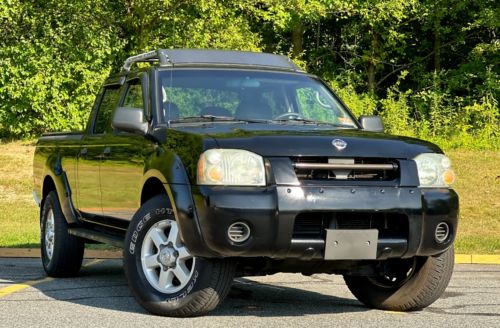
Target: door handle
[(107, 151)]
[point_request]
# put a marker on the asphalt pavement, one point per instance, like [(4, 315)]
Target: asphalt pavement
[(99, 297)]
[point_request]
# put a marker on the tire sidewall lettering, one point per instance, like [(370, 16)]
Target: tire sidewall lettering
[(135, 234), (163, 211), (186, 291)]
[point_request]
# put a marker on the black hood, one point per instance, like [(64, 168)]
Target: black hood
[(283, 140)]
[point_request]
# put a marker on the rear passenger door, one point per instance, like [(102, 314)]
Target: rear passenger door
[(91, 152)]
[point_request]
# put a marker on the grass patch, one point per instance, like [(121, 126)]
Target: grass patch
[(19, 218), (478, 185)]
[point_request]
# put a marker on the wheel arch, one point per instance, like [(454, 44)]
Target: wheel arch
[(51, 183), (48, 186), (152, 187)]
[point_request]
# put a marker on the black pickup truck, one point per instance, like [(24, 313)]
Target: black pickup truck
[(204, 165)]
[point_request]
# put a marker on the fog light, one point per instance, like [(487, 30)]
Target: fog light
[(442, 232), (238, 232)]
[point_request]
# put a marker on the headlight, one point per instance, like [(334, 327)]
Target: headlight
[(233, 167), (434, 170)]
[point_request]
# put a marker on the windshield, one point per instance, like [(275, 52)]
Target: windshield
[(248, 96)]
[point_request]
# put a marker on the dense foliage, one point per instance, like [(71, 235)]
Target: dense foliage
[(430, 68)]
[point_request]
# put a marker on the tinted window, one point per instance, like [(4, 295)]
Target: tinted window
[(318, 104), (247, 94), (108, 104), (195, 101), (134, 97)]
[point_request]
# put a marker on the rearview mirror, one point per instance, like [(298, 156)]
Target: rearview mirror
[(371, 123), (129, 120)]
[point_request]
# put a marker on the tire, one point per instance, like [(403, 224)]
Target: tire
[(62, 254), (164, 278), (408, 285)]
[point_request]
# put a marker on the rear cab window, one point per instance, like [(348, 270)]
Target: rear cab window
[(107, 105)]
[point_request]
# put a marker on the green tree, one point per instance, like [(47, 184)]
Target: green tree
[(53, 55), (431, 68)]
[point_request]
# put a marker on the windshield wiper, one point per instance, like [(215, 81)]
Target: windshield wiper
[(215, 118), (201, 118), (306, 121)]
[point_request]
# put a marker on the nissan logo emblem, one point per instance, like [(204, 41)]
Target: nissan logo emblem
[(339, 144)]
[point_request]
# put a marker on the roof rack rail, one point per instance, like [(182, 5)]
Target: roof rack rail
[(197, 57), (150, 56)]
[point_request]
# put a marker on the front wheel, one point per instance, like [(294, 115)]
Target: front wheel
[(405, 284), (163, 276)]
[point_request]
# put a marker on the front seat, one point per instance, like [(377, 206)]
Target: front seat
[(253, 106)]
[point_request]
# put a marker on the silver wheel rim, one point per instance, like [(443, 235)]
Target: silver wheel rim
[(166, 262), (49, 234)]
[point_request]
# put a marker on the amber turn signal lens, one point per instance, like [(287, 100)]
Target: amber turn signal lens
[(449, 177), (215, 173)]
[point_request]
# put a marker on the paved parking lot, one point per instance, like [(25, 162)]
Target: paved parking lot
[(100, 298)]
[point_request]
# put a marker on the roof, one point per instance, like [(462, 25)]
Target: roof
[(199, 57)]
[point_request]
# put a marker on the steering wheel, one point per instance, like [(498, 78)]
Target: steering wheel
[(287, 115)]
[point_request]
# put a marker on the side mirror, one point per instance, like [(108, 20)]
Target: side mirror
[(130, 120), (371, 123)]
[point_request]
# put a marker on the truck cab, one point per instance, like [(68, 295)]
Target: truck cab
[(204, 165)]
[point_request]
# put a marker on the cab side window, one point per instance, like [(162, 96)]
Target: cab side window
[(134, 98), (107, 105)]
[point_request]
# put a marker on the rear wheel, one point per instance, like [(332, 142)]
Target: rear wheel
[(405, 284), (164, 277), (62, 254)]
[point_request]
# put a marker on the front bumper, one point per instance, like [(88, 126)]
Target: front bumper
[(271, 213)]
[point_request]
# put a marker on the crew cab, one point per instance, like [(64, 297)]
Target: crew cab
[(204, 165)]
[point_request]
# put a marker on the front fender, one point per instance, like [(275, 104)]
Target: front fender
[(168, 168)]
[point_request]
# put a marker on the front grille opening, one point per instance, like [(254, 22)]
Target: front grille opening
[(313, 224), (355, 169)]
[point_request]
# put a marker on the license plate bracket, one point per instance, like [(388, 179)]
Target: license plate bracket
[(343, 244)]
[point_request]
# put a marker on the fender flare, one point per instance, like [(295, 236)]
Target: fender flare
[(53, 170), (179, 193)]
